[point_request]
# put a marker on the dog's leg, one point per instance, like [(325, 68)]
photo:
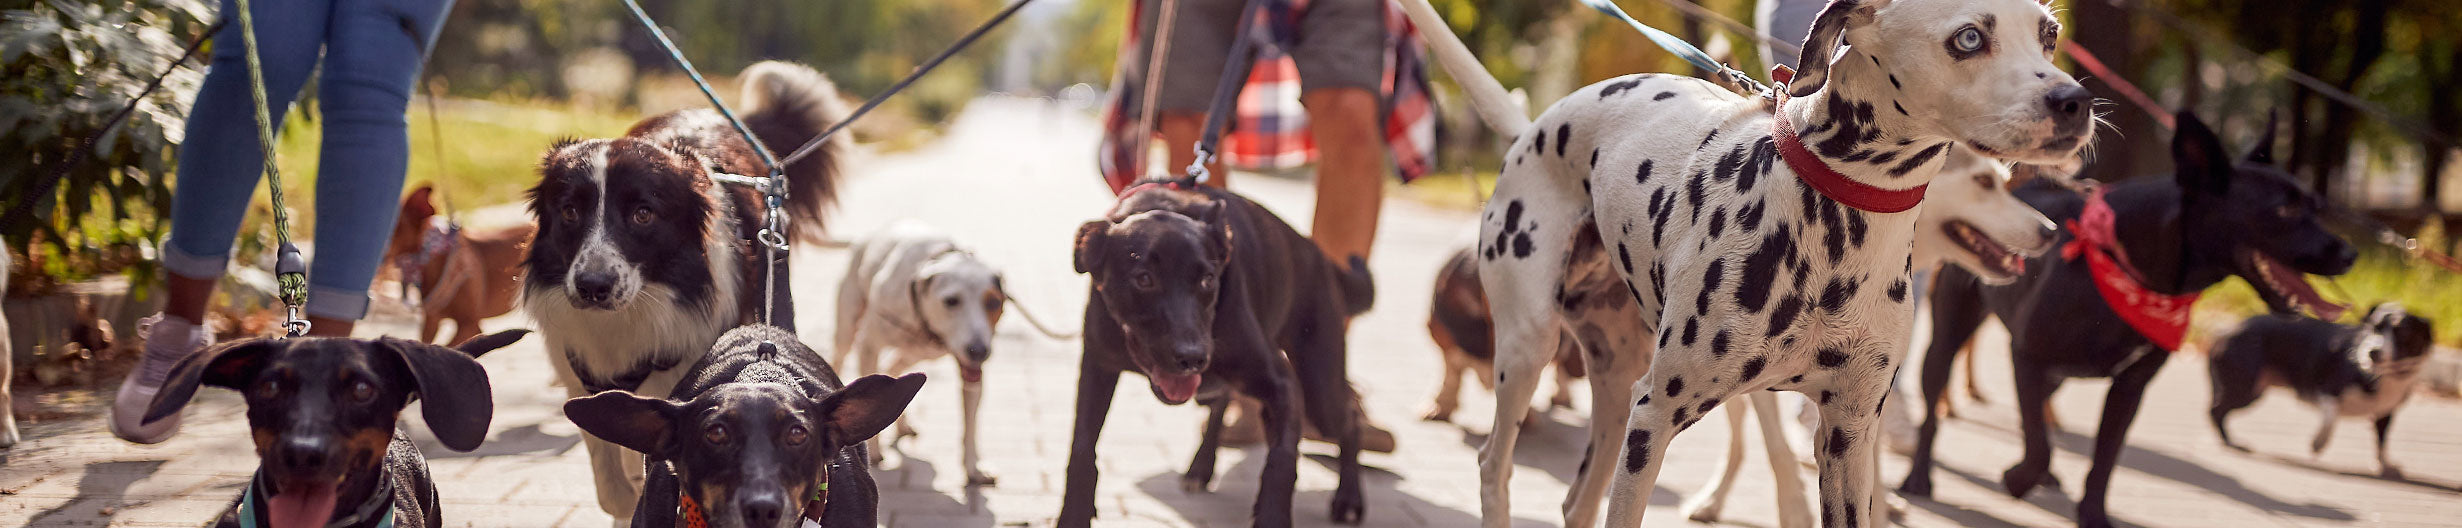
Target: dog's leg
[(617, 495), (1274, 385), (2328, 409), (2236, 385), (904, 362), (1957, 311), (1320, 366), (429, 325), (1791, 510), (970, 395), (463, 329), (1611, 382), (1523, 348), (1845, 450), (2385, 465), (1449, 389), (1705, 504), (2034, 390), (1564, 380), (2119, 410), (1200, 475), (1095, 385)]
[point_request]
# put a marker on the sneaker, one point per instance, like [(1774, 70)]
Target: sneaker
[(168, 340)]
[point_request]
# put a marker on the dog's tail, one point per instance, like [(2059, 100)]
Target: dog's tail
[(787, 104), (1358, 291)]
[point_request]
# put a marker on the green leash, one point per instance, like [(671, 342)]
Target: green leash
[(290, 271)]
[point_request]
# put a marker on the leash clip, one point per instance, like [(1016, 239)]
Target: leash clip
[(1196, 169)]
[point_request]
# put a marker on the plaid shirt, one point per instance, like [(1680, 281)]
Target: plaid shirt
[(1271, 131)]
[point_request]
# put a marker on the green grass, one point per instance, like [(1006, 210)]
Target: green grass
[(2382, 275), (489, 153)]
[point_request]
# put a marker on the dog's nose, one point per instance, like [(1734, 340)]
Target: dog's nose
[(1190, 357), (303, 455), (761, 509), (2068, 102), (594, 288), (978, 351)]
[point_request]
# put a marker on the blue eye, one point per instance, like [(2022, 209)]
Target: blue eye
[(1967, 40)]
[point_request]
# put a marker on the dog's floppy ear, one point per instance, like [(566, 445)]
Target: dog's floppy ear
[(1827, 34), (2197, 157), (228, 365), (483, 344), (1090, 237), (420, 202), (863, 408), (2263, 151), (1216, 230), (459, 401), (641, 424)]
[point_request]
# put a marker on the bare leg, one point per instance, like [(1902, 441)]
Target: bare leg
[(1350, 188)]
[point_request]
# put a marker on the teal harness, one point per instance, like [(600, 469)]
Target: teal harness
[(376, 512)]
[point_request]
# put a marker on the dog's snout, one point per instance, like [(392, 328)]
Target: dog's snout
[(2046, 231), (978, 351), (1189, 357), (303, 455), (761, 509), (594, 287), (2068, 102)]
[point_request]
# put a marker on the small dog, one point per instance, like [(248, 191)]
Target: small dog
[(1458, 321), (1763, 241), (324, 414), (912, 289), (759, 434), (2158, 241), (643, 259), (1208, 294), (462, 275), (2364, 371)]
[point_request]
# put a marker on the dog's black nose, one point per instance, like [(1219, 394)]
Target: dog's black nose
[(2068, 102), (978, 351), (761, 509), (1189, 357), (302, 454), (594, 288)]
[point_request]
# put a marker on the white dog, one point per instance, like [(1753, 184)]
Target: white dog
[(1765, 244)]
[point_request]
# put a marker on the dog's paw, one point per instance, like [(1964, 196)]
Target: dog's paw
[(1193, 483), (2094, 521), (1918, 485), (2017, 481), (1892, 506), (1439, 414), (1350, 506), (1703, 508), (2389, 472), (977, 478), (2316, 447), (2235, 446)]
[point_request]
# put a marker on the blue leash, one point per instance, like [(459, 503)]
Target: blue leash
[(776, 172), (1677, 46)]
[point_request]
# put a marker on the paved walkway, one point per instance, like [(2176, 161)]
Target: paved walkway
[(1015, 177)]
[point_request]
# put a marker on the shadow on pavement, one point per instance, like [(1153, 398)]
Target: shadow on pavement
[(909, 487), (2311, 465), (2162, 465), (101, 490), (527, 439)]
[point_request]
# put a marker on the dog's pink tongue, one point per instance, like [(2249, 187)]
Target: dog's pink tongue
[(971, 375), (2301, 294), (305, 507), (1176, 388)]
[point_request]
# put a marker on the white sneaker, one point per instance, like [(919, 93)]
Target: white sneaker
[(168, 340)]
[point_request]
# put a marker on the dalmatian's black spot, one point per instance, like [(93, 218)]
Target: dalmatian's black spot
[(1682, 414), (1624, 255), (1834, 298), (1594, 157), (1788, 343), (1692, 196), (1567, 300), (1901, 108), (1893, 82), (1692, 327), (1663, 334), (1917, 160), (1885, 157), (1658, 285), (1642, 176), (1718, 347), (1662, 96), (1858, 156), (1850, 520), (1760, 268), (1675, 386), (1619, 86), (1783, 317), (1731, 163), (1628, 288), (1664, 213), (1564, 136), (1705, 140), (1521, 245), (1834, 239), (1718, 221), (1827, 396), (1517, 159), (1748, 217), (1764, 156), (1799, 378), (1709, 285), (1585, 187), (1538, 143), (1513, 215), (1645, 400), (1831, 358), (1706, 406), (1855, 228), (1897, 291), (1636, 450), (1752, 369)]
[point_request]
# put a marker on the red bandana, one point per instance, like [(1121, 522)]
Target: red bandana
[(1809, 167), (2163, 319)]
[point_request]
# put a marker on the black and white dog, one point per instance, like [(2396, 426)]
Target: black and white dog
[(1766, 245), (642, 259), (2364, 371)]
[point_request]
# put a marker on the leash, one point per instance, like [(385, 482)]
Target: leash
[(1037, 322), (1700, 59), (926, 67), (43, 188), (290, 271), (1163, 22), (1226, 92), (2128, 90)]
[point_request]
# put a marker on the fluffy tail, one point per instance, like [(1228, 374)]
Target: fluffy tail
[(787, 104), (1358, 292)]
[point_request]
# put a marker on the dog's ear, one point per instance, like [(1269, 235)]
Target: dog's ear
[(2197, 157), (421, 202), (641, 424), (2263, 151), (481, 345), (459, 401), (863, 408), (1216, 230), (1827, 34), (1090, 237), (228, 365), (995, 301)]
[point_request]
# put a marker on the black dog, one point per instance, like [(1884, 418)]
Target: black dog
[(2214, 219), (759, 434), (323, 413), (1197, 288), (2364, 371)]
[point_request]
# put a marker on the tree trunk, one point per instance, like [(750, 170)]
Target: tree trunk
[(2110, 39)]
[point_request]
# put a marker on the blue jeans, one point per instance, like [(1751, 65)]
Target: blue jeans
[(1787, 20), (371, 51)]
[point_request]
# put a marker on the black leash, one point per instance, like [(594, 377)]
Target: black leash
[(1226, 91), (926, 67), (43, 188)]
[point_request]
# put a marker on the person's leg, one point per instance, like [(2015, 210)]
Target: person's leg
[(1341, 60), (1200, 45), (373, 62), (220, 163)]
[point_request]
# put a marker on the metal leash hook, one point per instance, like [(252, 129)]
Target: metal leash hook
[(291, 279), (1196, 169), (773, 242)]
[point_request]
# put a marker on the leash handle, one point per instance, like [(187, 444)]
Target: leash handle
[(1226, 90)]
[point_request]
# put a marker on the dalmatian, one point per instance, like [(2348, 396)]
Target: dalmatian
[(1764, 241)]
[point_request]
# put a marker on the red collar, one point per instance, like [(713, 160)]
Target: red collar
[(2161, 318), (1809, 167)]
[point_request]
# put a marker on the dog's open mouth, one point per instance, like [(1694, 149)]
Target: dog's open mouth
[(970, 374), (1173, 388), (301, 505), (2287, 289), (1998, 260)]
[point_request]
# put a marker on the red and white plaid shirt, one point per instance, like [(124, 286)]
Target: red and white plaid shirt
[(1271, 129)]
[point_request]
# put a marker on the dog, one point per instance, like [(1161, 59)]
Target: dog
[(759, 434), (642, 258), (1764, 242), (912, 289), (2156, 239), (1197, 289), (1464, 334), (2365, 371), (324, 414), (462, 275), (1970, 220)]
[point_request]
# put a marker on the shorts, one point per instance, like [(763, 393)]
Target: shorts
[(1341, 44)]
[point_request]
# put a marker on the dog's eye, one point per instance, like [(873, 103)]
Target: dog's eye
[(1206, 282), (717, 435), (1986, 181), (268, 389), (643, 216), (570, 213), (796, 435), (362, 392), (950, 301), (1968, 40), (1143, 280)]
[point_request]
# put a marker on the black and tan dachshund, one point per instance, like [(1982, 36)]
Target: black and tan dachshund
[(2215, 218), (1207, 294), (322, 412), (760, 433)]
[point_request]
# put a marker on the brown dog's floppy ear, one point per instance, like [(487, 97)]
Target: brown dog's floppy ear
[(1090, 237), (863, 408), (637, 423), (2197, 157), (1828, 30), (483, 344), (459, 401), (2263, 151), (229, 365), (420, 202)]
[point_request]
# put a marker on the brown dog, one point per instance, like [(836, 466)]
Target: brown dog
[(463, 275), (1459, 323)]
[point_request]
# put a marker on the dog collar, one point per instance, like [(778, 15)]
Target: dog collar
[(376, 512), (1818, 174), (2161, 318)]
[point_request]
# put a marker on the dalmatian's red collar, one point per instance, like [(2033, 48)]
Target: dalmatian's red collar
[(1809, 167)]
